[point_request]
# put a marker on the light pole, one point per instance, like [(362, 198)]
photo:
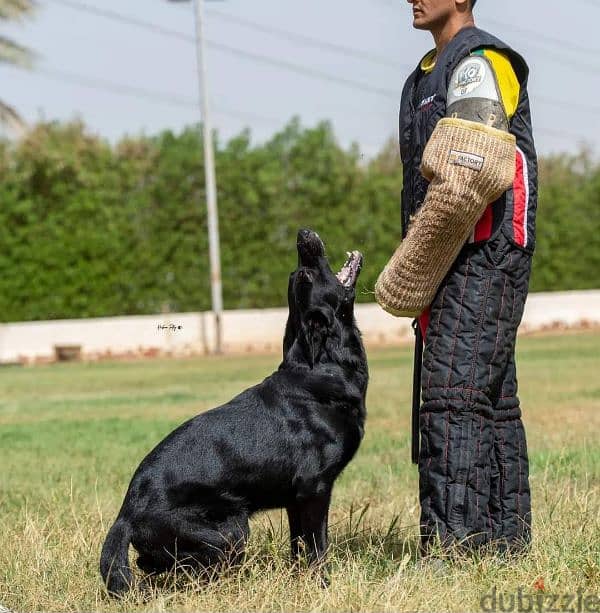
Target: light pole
[(216, 286)]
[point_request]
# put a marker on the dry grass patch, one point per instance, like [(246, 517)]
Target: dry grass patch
[(70, 437)]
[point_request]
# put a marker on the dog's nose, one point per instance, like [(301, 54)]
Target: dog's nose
[(305, 234), (309, 243)]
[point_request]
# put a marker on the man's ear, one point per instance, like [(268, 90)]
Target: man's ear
[(316, 329)]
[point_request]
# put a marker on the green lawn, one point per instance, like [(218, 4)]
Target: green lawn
[(71, 436)]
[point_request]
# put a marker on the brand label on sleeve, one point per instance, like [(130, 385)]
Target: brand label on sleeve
[(468, 160)]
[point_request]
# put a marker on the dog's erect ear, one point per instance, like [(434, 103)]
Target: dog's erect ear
[(291, 327), (316, 329)]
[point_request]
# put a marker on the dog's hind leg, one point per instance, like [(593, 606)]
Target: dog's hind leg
[(179, 539), (208, 546), (155, 563)]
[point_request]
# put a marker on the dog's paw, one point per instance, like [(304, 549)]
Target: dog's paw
[(324, 579)]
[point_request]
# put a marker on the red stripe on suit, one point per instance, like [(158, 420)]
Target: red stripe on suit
[(520, 200)]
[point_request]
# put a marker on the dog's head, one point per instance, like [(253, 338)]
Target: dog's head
[(321, 303)]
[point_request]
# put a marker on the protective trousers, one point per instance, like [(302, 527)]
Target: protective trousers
[(473, 465)]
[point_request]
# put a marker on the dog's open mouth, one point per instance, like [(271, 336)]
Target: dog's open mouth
[(351, 269)]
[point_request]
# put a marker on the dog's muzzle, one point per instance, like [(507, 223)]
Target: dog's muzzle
[(351, 269)]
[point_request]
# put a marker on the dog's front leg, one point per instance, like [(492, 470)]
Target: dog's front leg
[(296, 539), (313, 514), (308, 528)]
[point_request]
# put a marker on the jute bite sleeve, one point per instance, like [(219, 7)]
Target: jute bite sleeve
[(468, 165)]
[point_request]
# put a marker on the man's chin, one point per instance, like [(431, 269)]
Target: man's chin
[(420, 24)]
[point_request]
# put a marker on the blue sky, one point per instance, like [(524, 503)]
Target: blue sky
[(559, 39)]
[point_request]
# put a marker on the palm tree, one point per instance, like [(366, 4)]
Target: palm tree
[(13, 53)]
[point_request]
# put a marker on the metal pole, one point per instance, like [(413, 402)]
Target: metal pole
[(211, 183)]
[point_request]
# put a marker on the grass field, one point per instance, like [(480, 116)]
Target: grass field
[(71, 436)]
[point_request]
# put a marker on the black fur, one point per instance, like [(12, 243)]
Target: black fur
[(281, 443)]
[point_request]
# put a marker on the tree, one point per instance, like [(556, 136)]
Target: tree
[(13, 53)]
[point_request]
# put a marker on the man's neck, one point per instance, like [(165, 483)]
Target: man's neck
[(443, 34)]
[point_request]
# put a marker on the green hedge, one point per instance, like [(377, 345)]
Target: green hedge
[(88, 229), (568, 224)]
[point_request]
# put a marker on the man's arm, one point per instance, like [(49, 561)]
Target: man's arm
[(470, 162)]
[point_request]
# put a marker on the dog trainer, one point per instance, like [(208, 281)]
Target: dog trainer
[(468, 216)]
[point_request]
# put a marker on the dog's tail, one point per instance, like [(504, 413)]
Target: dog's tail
[(114, 560)]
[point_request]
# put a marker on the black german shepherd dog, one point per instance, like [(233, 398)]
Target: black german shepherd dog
[(279, 444)]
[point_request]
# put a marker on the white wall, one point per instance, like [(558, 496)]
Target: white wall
[(244, 331)]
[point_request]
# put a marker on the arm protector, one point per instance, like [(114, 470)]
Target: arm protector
[(469, 165)]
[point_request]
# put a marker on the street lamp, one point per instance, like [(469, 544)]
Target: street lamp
[(211, 182)]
